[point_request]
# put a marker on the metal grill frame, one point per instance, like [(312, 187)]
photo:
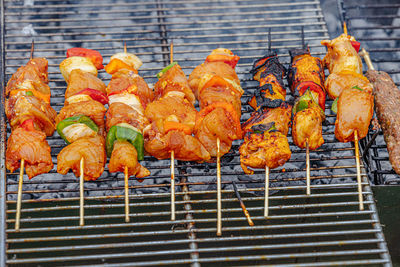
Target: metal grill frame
[(189, 198)]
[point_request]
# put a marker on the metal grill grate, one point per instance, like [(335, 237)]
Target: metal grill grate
[(377, 26), (321, 230)]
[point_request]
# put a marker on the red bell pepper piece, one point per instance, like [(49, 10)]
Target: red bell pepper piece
[(230, 60), (28, 125), (356, 45), (314, 88), (93, 55), (95, 95)]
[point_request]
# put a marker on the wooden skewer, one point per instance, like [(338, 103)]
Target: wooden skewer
[(245, 211), (126, 180), (125, 47), (171, 59), (21, 170), (367, 59), (266, 193), (219, 203), (82, 192), (19, 196), (172, 185), (344, 28), (308, 179), (360, 196)]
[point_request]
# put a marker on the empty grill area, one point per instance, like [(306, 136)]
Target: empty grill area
[(323, 229)]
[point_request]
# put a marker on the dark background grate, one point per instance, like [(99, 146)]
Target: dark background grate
[(324, 229), (377, 27)]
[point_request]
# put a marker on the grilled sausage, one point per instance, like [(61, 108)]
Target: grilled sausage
[(387, 102)]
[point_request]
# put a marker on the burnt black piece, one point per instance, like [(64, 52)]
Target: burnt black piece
[(266, 87), (261, 128), (268, 103), (298, 52), (266, 57)]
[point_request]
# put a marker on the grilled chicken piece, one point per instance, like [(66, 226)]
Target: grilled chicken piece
[(122, 113), (174, 80), (185, 147), (91, 108), (131, 82), (264, 149), (32, 147), (337, 82), (31, 76), (79, 80), (22, 107), (124, 155), (305, 68), (341, 55), (215, 94), (354, 112), (213, 68), (219, 120), (307, 125), (172, 105), (281, 116), (91, 149)]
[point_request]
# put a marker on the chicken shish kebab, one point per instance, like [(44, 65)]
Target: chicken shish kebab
[(172, 119), (128, 96), (31, 118), (217, 87), (354, 102), (355, 105), (265, 132), (81, 121), (306, 79)]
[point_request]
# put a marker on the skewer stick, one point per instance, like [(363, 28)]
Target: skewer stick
[(171, 59), (308, 179), (266, 193), (245, 211), (81, 194), (21, 170), (126, 194), (219, 203), (172, 185), (125, 47), (344, 28), (19, 196), (367, 59), (360, 196)]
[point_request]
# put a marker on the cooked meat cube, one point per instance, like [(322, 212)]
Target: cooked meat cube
[(307, 126)]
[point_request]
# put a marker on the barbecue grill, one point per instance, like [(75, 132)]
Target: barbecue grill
[(323, 229), (381, 22)]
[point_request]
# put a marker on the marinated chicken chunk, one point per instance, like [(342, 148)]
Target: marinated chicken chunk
[(354, 112), (124, 155), (307, 127), (30, 145), (80, 80), (337, 82), (269, 149), (122, 113)]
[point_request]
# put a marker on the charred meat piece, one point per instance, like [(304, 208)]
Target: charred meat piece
[(30, 145), (23, 107), (160, 143), (341, 55), (281, 116), (270, 149), (80, 80), (268, 64), (387, 103), (307, 126), (337, 82), (91, 149), (354, 112), (124, 155), (174, 80), (91, 108)]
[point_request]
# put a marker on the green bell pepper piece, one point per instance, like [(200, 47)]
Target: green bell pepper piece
[(334, 105), (29, 93), (121, 132), (75, 119), (164, 70)]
